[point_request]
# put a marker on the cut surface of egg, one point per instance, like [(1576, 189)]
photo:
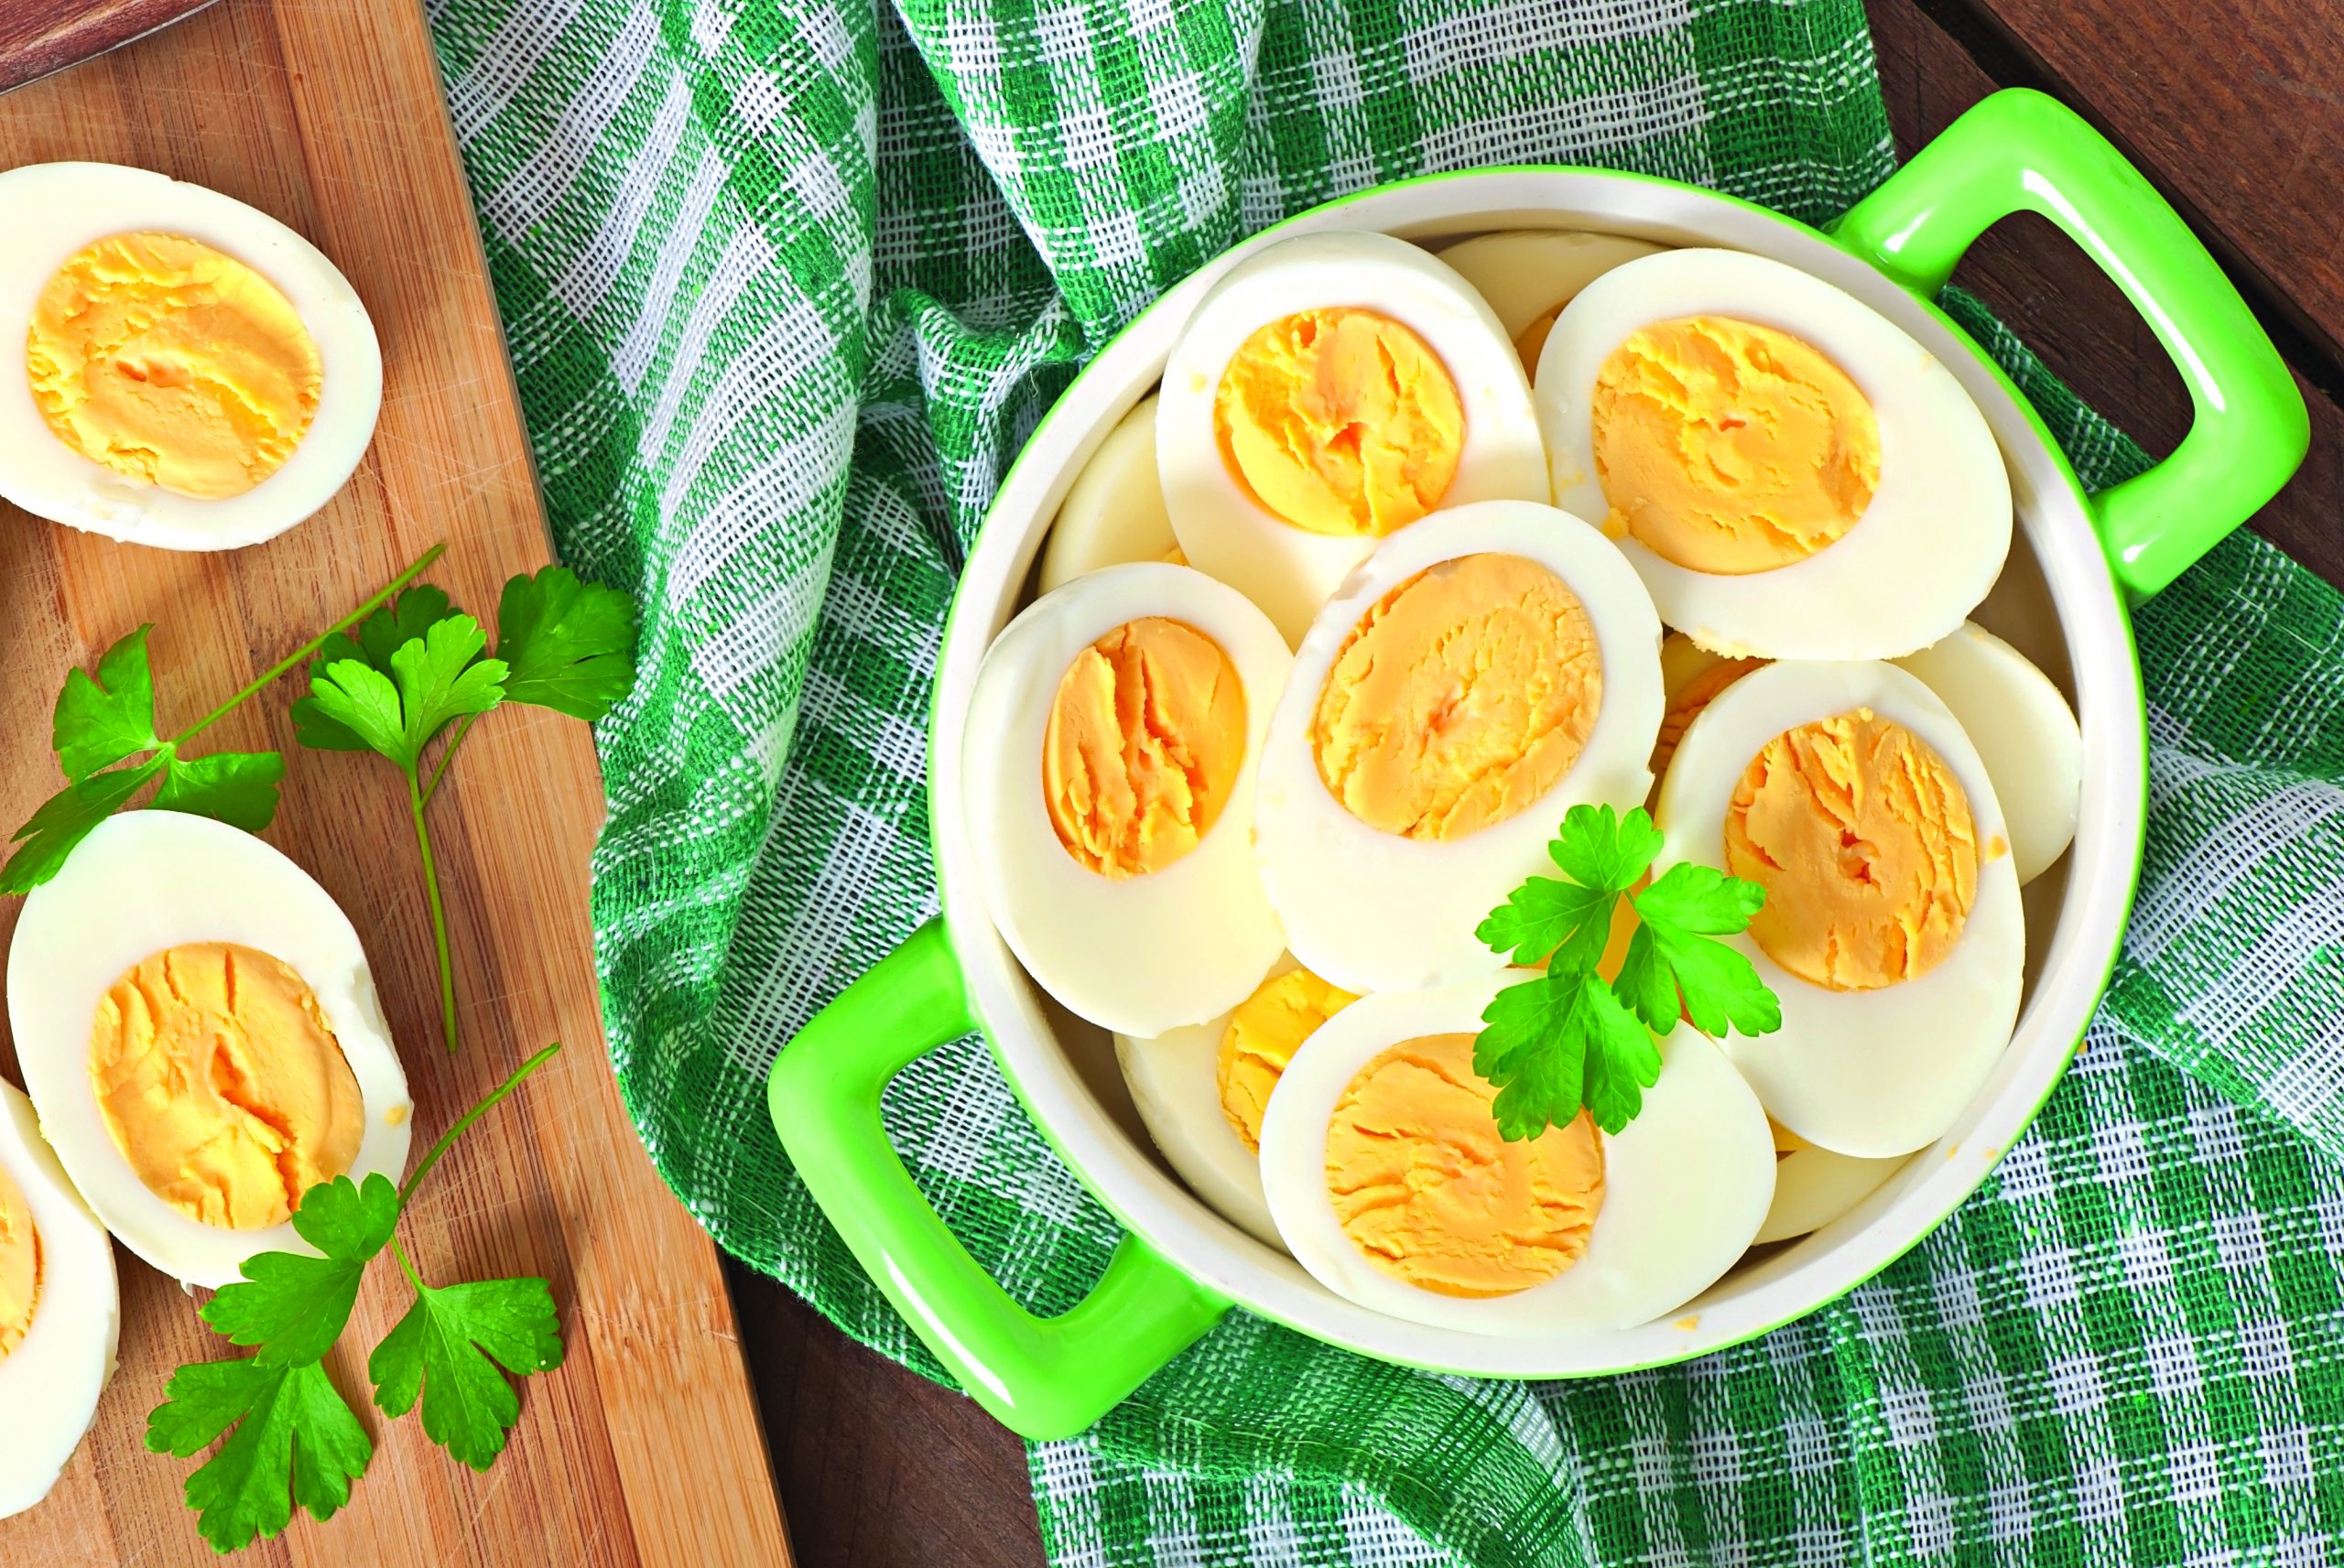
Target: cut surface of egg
[(1529, 275), (1891, 931), (2025, 731), (59, 1312), (184, 370), (1386, 1173), (1484, 671), (198, 1025), (1112, 745), (1201, 1090), (1814, 1186), (1114, 512), (1328, 392), (1791, 475)]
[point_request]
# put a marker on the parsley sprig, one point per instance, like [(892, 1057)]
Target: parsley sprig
[(1570, 1038), (294, 1440), (397, 678), (104, 733)]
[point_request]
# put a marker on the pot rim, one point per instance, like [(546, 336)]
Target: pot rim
[(2101, 872)]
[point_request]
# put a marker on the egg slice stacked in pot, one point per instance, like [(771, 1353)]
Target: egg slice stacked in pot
[(1715, 557)]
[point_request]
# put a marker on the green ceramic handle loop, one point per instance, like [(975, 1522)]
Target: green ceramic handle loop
[(2021, 151), (1041, 1378)]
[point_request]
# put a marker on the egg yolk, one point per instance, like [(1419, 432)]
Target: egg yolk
[(1261, 1037), (1684, 705), (20, 1264), (1341, 421), (1145, 739), (1728, 447), (222, 1084), (1465, 694), (1423, 1183), (1863, 840), (172, 364)]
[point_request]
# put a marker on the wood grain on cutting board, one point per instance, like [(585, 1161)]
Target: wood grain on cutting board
[(645, 1447)]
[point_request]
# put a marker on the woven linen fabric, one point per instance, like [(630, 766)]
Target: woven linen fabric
[(788, 286)]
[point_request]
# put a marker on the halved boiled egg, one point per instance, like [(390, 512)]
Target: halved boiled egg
[(1114, 510), (197, 1022), (1793, 475), (1891, 930), (1387, 1177), (58, 1311), (2024, 730), (2021, 723), (1113, 735), (1201, 1090), (196, 375), (1814, 1186), (1484, 671), (1529, 275), (1328, 392)]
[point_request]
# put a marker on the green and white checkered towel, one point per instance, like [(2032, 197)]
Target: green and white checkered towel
[(786, 286)]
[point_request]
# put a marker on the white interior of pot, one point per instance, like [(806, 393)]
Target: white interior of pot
[(1066, 1068)]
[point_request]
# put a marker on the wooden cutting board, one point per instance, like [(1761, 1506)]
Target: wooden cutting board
[(645, 1447)]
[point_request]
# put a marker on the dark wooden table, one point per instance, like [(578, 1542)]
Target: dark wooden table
[(2235, 109)]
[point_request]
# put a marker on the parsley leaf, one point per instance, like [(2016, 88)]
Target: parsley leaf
[(67, 817), (431, 681), (1568, 1038), (1674, 969), (238, 788), (1559, 1041), (293, 1307), (441, 1350), (102, 719), (296, 1441), (569, 645)]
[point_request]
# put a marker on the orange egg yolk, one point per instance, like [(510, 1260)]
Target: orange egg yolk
[(20, 1264), (1424, 1186), (1865, 842), (1261, 1037), (222, 1084), (1465, 694), (173, 364), (1145, 739), (1728, 448), (1341, 421)]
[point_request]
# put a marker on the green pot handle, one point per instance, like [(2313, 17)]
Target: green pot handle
[(1042, 1378), (2021, 151)]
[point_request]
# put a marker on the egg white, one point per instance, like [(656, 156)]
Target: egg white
[(1374, 911), (49, 1384), (1139, 955), (1525, 273), (1872, 1073), (144, 881), (1114, 510), (1222, 530), (1927, 549), (1174, 1081), (1814, 1186), (56, 209), (1684, 1184), (2025, 731)]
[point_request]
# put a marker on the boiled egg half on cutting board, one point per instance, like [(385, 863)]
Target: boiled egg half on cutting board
[(194, 374), (58, 1311), (198, 1026)]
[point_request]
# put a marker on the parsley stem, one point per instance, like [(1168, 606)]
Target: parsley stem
[(438, 913), (447, 754), (400, 1254), (406, 1188), (293, 660)]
